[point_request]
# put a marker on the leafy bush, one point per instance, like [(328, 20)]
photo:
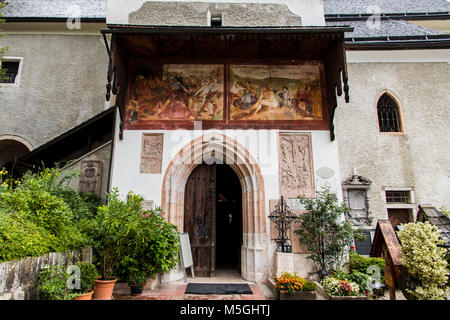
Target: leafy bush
[(21, 238), (38, 215), (337, 287), (322, 230), (359, 263), (424, 260), (88, 275), (52, 284), (131, 241), (361, 279)]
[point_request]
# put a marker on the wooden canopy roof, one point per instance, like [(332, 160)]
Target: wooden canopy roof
[(229, 44)]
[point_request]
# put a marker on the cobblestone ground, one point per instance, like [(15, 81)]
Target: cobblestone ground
[(175, 291)]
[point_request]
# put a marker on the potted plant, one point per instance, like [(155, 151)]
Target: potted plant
[(293, 287), (88, 275), (137, 283), (149, 246), (108, 229), (52, 283)]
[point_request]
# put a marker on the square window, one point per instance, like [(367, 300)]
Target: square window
[(397, 197), (10, 70)]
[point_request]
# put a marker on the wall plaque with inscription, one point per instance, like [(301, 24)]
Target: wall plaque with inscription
[(91, 176), (151, 154), (295, 165)]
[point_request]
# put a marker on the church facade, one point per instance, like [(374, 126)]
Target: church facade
[(214, 116)]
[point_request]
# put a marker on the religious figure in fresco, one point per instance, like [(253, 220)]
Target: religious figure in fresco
[(261, 92), (177, 92)]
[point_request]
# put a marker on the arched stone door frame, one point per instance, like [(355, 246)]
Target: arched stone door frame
[(222, 149)]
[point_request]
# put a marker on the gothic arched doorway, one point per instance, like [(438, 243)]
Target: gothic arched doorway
[(213, 218), (207, 149)]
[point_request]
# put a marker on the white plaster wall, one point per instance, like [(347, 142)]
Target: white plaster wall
[(310, 11), (419, 158), (261, 144)]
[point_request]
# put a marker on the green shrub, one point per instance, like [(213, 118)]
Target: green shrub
[(21, 238), (131, 241), (52, 284), (88, 275), (424, 260), (323, 232), (38, 215), (309, 286), (359, 263), (356, 277)]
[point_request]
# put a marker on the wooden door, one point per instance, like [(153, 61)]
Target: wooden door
[(399, 216), (199, 218)]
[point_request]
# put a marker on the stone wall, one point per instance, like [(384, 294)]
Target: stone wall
[(18, 278), (419, 157), (101, 155), (62, 84)]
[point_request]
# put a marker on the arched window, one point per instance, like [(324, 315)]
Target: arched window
[(388, 114)]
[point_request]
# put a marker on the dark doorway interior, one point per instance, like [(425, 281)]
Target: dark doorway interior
[(228, 219)]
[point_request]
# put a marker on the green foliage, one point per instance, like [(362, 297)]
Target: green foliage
[(309, 286), (360, 264), (38, 215), (131, 241), (138, 280), (323, 231), (52, 284), (424, 260), (89, 274), (445, 211), (21, 238), (359, 278)]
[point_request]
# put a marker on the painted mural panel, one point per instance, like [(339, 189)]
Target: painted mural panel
[(176, 92), (276, 92)]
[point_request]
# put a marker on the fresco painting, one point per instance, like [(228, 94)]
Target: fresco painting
[(176, 92), (182, 92), (278, 92)]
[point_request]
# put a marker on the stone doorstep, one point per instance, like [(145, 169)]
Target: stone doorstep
[(176, 292)]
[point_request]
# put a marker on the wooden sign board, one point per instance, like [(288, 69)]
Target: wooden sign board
[(186, 253)]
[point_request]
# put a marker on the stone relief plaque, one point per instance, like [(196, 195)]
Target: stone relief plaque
[(151, 154), (295, 165), (91, 176)]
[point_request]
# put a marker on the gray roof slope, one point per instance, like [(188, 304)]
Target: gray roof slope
[(388, 28), (437, 218), (386, 6), (54, 8)]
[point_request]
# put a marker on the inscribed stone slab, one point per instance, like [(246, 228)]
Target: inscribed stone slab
[(151, 153)]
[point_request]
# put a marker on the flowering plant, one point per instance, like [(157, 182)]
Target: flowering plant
[(291, 283), (138, 280), (337, 287)]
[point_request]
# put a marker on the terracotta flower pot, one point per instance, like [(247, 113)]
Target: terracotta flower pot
[(104, 289), (86, 296)]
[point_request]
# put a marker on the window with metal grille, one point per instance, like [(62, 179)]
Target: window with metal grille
[(397, 196), (388, 115), (10, 69)]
